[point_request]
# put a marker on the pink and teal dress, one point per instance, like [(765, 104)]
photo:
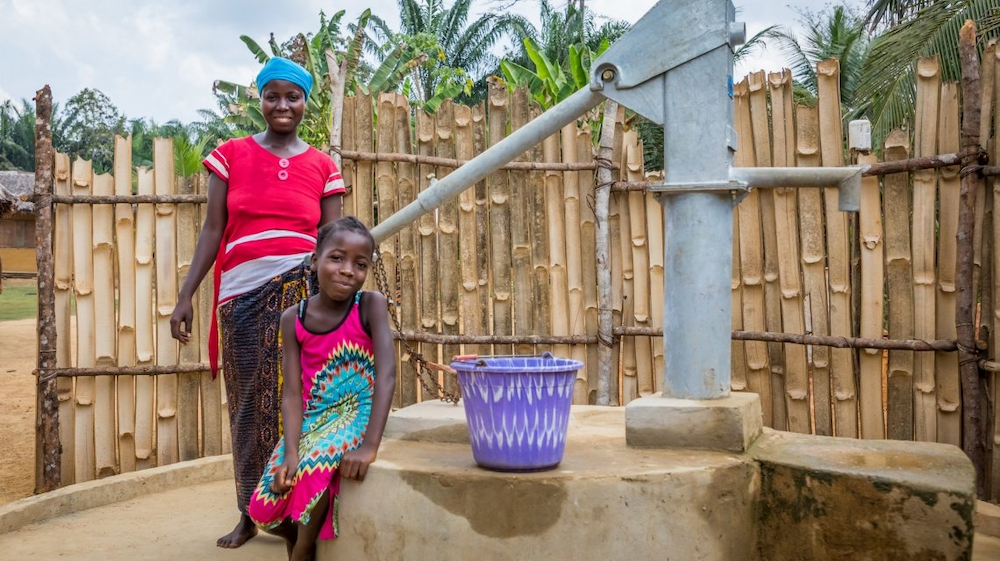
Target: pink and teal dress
[(338, 382)]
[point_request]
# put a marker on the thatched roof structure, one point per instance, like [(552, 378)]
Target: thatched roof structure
[(16, 189)]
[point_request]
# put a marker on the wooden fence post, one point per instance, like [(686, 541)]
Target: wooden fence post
[(972, 428), (601, 205), (47, 424)]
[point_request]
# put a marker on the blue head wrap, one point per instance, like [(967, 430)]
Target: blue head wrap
[(283, 69)]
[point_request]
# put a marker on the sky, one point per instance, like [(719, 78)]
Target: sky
[(159, 58)]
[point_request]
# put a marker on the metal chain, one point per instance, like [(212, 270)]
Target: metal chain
[(416, 359)]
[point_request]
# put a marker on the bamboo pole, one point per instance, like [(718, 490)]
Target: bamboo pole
[(541, 290), (472, 313), (364, 188), (556, 228), (628, 367), (63, 287), (925, 143), (949, 392), (520, 231), (348, 166), (385, 187), (752, 266), (796, 373), (588, 249), (166, 298), (83, 275), (188, 384), (617, 259), (213, 402), (105, 330), (991, 314), (769, 229), (576, 322), (408, 257), (500, 227), (428, 245), (125, 243), (899, 289), (47, 447), (448, 257), (983, 275), (479, 142), (872, 305), (986, 97), (602, 201), (813, 269), (838, 251), (738, 381), (641, 314), (972, 425), (145, 355)]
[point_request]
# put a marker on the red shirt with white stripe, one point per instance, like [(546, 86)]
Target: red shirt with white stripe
[(273, 206)]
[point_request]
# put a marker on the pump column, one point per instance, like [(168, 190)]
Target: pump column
[(696, 409)]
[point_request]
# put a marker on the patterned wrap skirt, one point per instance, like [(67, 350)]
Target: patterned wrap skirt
[(251, 362)]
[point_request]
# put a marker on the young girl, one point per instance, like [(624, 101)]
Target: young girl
[(340, 375)]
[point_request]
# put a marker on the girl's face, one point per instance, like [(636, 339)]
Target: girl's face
[(282, 103), (342, 263)]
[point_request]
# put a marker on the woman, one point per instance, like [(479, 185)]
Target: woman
[(267, 195)]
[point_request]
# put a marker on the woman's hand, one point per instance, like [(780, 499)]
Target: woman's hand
[(180, 320), (285, 478), (354, 464)]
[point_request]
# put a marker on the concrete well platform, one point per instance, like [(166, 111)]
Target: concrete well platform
[(426, 499), (789, 497)]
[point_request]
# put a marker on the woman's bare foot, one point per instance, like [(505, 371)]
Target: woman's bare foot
[(244, 530)]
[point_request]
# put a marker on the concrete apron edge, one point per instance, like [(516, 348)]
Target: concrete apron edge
[(114, 489)]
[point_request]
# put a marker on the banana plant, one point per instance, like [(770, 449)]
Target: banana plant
[(548, 83)]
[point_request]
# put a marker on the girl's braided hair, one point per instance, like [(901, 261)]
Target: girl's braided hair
[(349, 223)]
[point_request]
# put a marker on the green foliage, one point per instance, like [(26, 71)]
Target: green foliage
[(87, 127), (886, 87), (17, 136), (548, 83), (562, 29), (242, 103), (459, 52), (835, 32)]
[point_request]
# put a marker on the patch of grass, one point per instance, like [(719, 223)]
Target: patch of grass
[(19, 299)]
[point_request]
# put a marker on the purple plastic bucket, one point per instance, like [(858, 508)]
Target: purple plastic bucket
[(517, 409)]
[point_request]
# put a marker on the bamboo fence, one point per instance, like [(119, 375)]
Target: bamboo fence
[(511, 266)]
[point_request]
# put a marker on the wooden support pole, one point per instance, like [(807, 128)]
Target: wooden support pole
[(972, 426), (47, 418), (458, 162), (814, 340), (601, 206), (129, 199)]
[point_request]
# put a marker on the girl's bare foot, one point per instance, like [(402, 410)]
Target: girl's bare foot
[(244, 530), (288, 531)]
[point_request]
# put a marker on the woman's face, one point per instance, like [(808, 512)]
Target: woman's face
[(282, 103)]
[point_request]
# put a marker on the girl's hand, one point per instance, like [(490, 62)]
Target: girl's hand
[(354, 464), (180, 320), (285, 478)]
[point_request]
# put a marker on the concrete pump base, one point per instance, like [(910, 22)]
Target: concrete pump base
[(728, 424), (427, 499)]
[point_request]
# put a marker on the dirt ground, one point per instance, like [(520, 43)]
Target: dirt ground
[(17, 409)]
